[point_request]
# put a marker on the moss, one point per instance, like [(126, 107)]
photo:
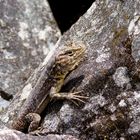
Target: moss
[(121, 48), (106, 126)]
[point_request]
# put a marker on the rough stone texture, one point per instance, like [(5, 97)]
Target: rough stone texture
[(110, 29), (121, 78), (27, 32), (16, 135)]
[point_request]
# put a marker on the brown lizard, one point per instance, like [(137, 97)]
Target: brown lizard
[(48, 87)]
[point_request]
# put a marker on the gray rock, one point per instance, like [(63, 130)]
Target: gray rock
[(66, 113), (136, 49), (16, 135), (27, 32), (51, 123), (95, 103), (121, 78), (3, 104), (134, 101)]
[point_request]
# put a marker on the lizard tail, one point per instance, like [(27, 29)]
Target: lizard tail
[(19, 125)]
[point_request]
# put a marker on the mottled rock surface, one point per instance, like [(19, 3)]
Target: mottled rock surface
[(16, 135), (27, 32), (109, 75)]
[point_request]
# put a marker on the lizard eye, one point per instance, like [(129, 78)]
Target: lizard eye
[(69, 52)]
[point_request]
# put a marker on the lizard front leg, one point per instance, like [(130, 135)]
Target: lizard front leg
[(34, 119), (72, 96)]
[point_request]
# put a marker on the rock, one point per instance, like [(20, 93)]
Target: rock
[(134, 101), (3, 104), (52, 123), (121, 78), (66, 113), (16, 135), (108, 29), (27, 32)]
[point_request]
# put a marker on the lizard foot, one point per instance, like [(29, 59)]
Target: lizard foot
[(74, 96), (40, 132), (34, 120), (36, 132)]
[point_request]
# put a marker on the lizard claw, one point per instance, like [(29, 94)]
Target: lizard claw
[(73, 96)]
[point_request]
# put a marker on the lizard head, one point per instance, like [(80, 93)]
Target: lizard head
[(70, 57)]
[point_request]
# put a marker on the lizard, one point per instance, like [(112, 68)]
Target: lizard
[(48, 86)]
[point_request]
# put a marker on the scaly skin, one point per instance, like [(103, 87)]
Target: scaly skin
[(48, 87)]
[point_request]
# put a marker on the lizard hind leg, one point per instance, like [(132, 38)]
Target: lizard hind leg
[(73, 96), (34, 120)]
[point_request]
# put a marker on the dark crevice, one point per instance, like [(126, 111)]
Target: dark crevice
[(67, 12)]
